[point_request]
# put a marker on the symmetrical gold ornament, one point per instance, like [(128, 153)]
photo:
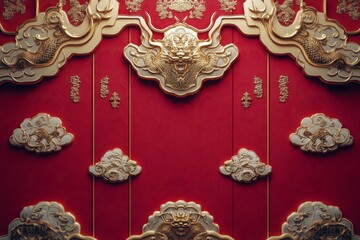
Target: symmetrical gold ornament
[(41, 134), (75, 88), (115, 167), (321, 134), (133, 5), (283, 88), (181, 221), (12, 7), (165, 8), (104, 89), (180, 62), (315, 221), (350, 7), (115, 100), (227, 5), (46, 220), (258, 91), (245, 167), (246, 100)]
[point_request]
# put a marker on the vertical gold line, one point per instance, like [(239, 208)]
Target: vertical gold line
[(129, 137), (268, 141), (325, 7), (93, 142), (37, 8)]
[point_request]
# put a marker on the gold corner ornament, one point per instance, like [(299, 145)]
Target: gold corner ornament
[(321, 134), (45, 220), (315, 220), (180, 220), (115, 167), (245, 167), (41, 134)]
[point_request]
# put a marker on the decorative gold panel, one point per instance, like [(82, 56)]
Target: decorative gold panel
[(245, 167), (46, 220), (321, 134), (165, 8), (115, 167), (41, 134), (315, 221), (181, 221)]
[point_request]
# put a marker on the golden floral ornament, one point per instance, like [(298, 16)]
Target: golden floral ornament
[(75, 88), (245, 167), (283, 88), (133, 5), (77, 12), (180, 62), (258, 90), (246, 100), (321, 134), (180, 220), (12, 7), (115, 167), (228, 5), (315, 220), (46, 220), (165, 8), (349, 7), (41, 134)]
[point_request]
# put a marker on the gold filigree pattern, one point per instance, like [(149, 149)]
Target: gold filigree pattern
[(314, 221), (115, 100), (165, 8), (349, 7), (181, 221), (104, 89), (133, 5), (321, 134), (283, 88), (115, 167), (245, 167), (77, 12), (75, 88), (180, 62), (258, 90), (41, 134), (46, 220), (246, 100), (284, 12), (227, 5), (319, 45), (12, 7)]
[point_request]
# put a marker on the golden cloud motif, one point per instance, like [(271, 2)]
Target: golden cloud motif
[(41, 134)]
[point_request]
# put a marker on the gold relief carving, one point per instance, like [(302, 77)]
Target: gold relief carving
[(321, 134), (115, 100), (46, 220), (315, 220), (283, 88), (181, 221), (246, 100), (284, 12), (164, 7), (245, 167), (115, 167), (133, 5), (77, 12), (41, 134), (12, 7), (104, 89), (75, 89), (227, 5), (180, 62), (319, 45), (258, 91), (350, 7)]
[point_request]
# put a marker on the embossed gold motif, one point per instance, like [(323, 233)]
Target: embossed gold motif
[(75, 89), (77, 12), (314, 221), (115, 167), (180, 61), (246, 100), (46, 220), (133, 5), (227, 5), (41, 134), (12, 7), (258, 91), (284, 12), (349, 7), (283, 87), (165, 8), (181, 221), (104, 90), (115, 100), (245, 167), (321, 134)]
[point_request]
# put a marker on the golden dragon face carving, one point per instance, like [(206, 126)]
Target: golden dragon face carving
[(180, 61)]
